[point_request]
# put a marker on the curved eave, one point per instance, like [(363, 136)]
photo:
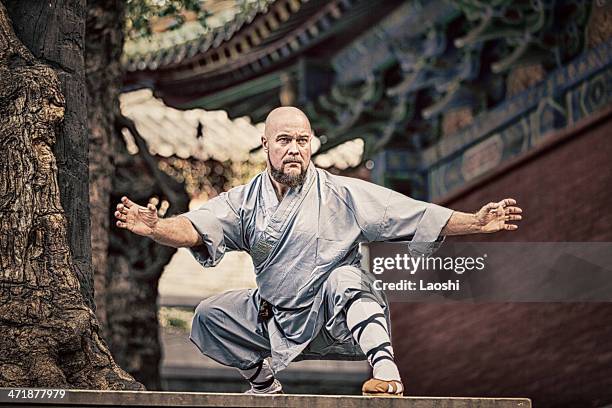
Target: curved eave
[(212, 52), (237, 61), (175, 51)]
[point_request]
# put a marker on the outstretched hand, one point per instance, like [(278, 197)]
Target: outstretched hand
[(494, 217), (136, 218)]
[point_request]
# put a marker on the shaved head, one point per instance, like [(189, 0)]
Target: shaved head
[(286, 141), (286, 116)]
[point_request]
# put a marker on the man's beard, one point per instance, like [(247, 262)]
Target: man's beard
[(289, 180)]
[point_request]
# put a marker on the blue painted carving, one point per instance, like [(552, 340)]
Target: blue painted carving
[(579, 89)]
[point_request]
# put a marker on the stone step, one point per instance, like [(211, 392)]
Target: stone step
[(80, 398)]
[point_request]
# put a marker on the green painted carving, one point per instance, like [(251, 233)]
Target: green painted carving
[(548, 31)]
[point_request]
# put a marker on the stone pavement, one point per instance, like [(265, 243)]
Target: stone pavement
[(78, 398)]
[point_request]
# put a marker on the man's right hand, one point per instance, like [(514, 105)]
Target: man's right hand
[(136, 218)]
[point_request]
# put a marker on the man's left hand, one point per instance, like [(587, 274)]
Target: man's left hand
[(495, 217)]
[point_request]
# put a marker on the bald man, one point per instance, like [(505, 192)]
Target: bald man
[(302, 227)]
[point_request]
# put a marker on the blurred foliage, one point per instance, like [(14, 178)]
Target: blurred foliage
[(175, 318), (243, 172), (178, 323), (205, 179), (141, 14)]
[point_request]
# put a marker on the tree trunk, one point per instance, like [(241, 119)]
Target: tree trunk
[(49, 331), (55, 36)]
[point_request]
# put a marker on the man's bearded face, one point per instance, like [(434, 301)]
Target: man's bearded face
[(287, 143)]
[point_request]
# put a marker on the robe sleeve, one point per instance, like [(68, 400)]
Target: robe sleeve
[(423, 221), (384, 215), (218, 223)]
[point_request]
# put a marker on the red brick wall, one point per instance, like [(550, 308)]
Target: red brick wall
[(558, 354), (565, 190)]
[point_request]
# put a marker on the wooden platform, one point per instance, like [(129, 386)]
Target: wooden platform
[(74, 398)]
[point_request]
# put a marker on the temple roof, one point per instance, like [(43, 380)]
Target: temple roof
[(193, 133)]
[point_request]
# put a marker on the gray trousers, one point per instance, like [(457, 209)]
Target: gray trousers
[(226, 327)]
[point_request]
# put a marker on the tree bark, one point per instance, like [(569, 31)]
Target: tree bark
[(54, 35), (49, 331)]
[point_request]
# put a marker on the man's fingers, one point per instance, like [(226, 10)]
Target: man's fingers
[(120, 216), (122, 209), (513, 217), (121, 224), (151, 207), (507, 201), (495, 208), (127, 202), (510, 227), (513, 210)]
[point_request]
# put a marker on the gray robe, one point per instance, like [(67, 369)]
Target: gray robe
[(296, 245)]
